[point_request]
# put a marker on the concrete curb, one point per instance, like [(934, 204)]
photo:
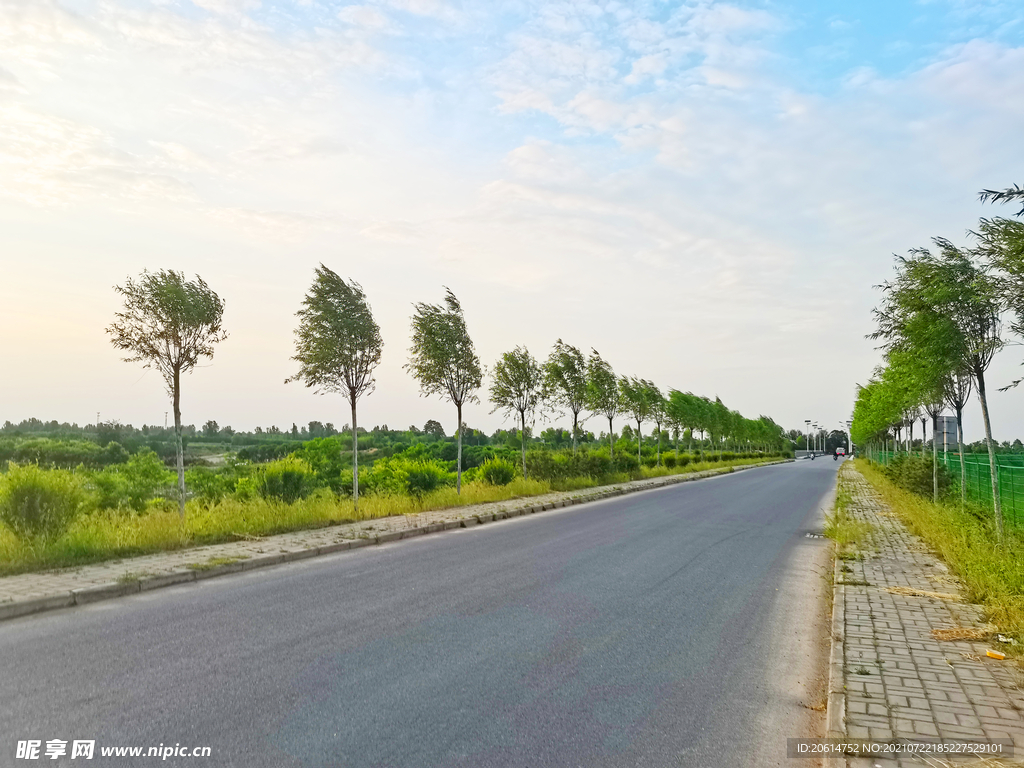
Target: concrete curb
[(835, 708), (85, 595)]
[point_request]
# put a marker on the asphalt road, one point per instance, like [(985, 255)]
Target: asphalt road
[(676, 627)]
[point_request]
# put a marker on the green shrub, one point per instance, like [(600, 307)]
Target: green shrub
[(208, 485), (323, 454), (669, 460), (288, 479), (498, 471), (684, 459), (38, 502), (541, 465), (131, 485), (628, 464), (426, 476), (400, 476), (66, 454), (914, 474)]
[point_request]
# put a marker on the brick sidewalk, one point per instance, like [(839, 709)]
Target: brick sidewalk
[(33, 592), (897, 681)]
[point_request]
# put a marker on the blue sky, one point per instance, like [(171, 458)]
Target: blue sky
[(706, 192)]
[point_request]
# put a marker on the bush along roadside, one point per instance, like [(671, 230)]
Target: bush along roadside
[(277, 499)]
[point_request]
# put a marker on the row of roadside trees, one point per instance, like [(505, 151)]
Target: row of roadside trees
[(942, 319), (170, 323)]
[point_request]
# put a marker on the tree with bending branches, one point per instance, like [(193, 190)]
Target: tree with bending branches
[(636, 401), (168, 323), (1008, 195), (565, 382), (443, 360), (954, 286), (517, 385), (603, 394), (338, 346), (657, 405)]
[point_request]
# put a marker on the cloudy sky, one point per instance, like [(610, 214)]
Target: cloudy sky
[(705, 192)]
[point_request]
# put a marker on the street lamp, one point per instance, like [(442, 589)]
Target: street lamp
[(807, 433)]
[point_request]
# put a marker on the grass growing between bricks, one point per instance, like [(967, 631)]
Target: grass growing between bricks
[(848, 533), (107, 535), (966, 540)]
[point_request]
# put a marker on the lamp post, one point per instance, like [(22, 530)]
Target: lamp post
[(807, 434)]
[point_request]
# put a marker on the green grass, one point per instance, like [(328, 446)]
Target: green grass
[(215, 562), (965, 539), (108, 535), (847, 532)]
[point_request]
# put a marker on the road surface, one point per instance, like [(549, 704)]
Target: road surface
[(677, 627)]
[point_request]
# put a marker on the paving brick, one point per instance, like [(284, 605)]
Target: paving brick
[(917, 687)]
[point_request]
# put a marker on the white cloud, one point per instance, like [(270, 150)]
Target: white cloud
[(228, 7), (364, 16), (641, 181), (431, 8)]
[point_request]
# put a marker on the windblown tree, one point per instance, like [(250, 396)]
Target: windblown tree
[(603, 394), (956, 391), (565, 382), (718, 423), (168, 323), (1014, 194), (678, 412), (954, 287), (635, 394), (516, 388), (657, 404), (443, 360), (1001, 245), (338, 346), (703, 413)]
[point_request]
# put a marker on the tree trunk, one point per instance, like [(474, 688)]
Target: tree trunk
[(960, 448), (575, 417), (178, 447), (979, 376), (458, 476), (657, 426), (522, 418), (355, 458), (639, 442), (935, 458), (924, 434), (611, 440)]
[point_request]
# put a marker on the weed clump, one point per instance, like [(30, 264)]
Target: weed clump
[(498, 471), (40, 504)]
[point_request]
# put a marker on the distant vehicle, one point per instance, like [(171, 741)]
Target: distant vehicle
[(840, 451)]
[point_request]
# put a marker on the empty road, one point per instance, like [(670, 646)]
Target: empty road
[(677, 627)]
